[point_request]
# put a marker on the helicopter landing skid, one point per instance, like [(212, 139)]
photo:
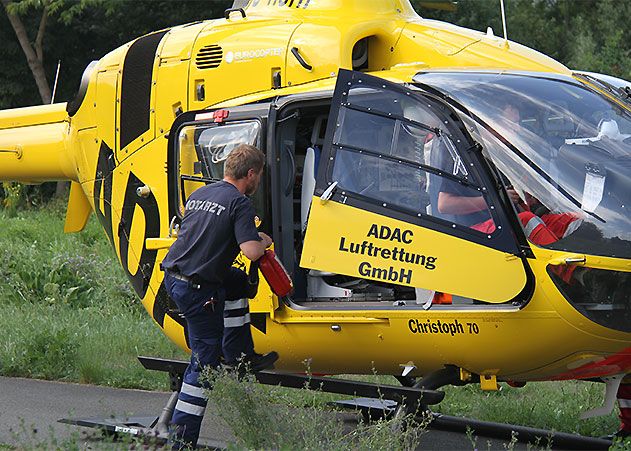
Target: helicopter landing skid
[(374, 409), (156, 428)]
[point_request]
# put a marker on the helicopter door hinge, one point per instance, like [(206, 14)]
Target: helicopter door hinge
[(488, 382), (465, 376)]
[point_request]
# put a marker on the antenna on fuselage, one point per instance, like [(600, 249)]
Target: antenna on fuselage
[(52, 98), (504, 21)]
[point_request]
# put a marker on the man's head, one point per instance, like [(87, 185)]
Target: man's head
[(511, 112), (245, 165)]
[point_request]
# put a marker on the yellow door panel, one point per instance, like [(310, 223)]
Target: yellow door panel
[(354, 242)]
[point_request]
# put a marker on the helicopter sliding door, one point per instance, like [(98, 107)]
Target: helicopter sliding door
[(404, 197)]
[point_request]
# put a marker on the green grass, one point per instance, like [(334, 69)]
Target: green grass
[(264, 417), (547, 405), (68, 311)]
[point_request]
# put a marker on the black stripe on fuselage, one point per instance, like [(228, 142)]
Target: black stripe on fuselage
[(135, 114)]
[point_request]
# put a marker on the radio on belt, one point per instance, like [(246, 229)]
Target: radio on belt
[(275, 274)]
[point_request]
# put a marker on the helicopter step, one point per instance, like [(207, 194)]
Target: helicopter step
[(137, 426)]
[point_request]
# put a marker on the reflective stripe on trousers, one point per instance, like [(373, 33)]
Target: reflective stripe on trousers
[(205, 332), (237, 339)]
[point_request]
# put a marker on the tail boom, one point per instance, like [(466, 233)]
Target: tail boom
[(34, 146)]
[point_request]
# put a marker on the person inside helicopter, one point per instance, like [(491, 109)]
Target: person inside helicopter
[(542, 227)]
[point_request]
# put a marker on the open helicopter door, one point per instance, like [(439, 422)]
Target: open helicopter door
[(199, 143), (389, 154)]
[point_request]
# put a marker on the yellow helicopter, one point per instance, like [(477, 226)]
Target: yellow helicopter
[(371, 118)]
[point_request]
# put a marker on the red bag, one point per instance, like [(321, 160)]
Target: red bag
[(275, 274)]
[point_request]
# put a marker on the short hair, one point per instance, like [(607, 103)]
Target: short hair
[(243, 158)]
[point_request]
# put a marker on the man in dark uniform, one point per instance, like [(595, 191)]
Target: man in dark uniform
[(219, 221)]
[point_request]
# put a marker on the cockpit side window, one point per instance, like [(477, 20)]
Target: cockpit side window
[(390, 148)]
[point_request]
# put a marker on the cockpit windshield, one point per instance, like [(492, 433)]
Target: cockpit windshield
[(563, 146)]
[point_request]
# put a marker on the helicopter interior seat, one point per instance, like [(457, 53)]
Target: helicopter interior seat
[(317, 281), (557, 126), (436, 156), (309, 173)]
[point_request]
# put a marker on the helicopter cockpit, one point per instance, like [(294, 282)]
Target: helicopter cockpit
[(570, 148), (567, 149)]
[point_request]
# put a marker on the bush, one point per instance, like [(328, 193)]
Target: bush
[(39, 264)]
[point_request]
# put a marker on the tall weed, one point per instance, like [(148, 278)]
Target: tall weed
[(261, 418)]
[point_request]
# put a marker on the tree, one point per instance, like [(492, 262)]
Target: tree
[(78, 32), (84, 30), (34, 51), (585, 35)]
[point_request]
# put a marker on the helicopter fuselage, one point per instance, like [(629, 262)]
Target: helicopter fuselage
[(155, 118)]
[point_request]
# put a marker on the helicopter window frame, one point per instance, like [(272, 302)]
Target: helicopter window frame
[(206, 178), (392, 156), (501, 239)]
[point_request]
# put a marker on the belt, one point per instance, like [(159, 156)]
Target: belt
[(176, 275)]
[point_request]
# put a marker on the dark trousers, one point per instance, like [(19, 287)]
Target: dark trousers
[(208, 340)]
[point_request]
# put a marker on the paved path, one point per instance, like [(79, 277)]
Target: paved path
[(29, 410)]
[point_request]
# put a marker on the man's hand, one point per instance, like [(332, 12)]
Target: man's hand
[(514, 196), (266, 241), (254, 250), (518, 201)]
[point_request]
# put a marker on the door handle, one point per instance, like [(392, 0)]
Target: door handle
[(571, 259), (326, 195), (301, 60)]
